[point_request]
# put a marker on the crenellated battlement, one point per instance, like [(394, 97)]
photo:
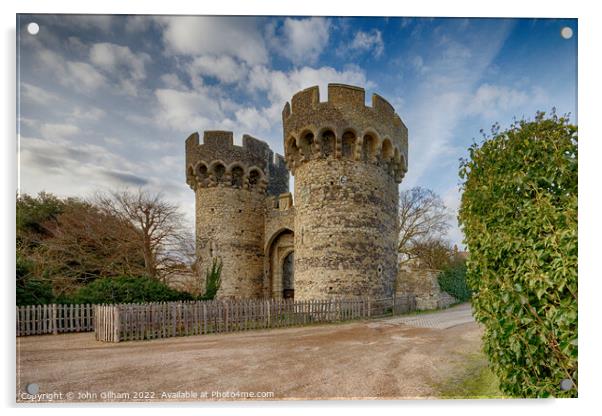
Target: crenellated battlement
[(217, 161), (344, 127), (282, 202)]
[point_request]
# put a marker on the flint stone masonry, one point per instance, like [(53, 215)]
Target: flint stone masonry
[(339, 232), (423, 283)]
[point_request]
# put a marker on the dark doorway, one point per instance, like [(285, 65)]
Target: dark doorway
[(288, 277)]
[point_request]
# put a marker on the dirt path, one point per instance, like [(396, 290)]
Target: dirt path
[(399, 357)]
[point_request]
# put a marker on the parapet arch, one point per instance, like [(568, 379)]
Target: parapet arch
[(215, 163), (235, 164), (387, 149), (256, 169), (197, 168), (326, 140), (290, 142)]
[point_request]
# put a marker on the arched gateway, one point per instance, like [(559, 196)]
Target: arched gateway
[(281, 265)]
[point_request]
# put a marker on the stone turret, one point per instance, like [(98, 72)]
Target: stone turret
[(231, 184), (347, 159)]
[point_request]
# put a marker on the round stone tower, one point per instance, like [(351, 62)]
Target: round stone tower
[(231, 184), (348, 160)]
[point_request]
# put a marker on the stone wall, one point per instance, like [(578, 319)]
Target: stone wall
[(345, 230), (424, 285), (229, 225)]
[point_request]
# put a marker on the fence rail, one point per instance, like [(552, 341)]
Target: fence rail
[(54, 319), (127, 322)]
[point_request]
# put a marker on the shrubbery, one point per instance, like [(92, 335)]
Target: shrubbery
[(127, 289), (213, 280), (453, 281), (519, 215)]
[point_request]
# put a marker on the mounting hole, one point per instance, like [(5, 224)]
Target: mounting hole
[(566, 32), (379, 269), (32, 388), (566, 384), (33, 28)]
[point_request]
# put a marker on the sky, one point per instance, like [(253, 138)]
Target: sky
[(106, 102)]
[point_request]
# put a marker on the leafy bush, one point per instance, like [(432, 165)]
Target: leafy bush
[(519, 215), (127, 289), (453, 281), (213, 280)]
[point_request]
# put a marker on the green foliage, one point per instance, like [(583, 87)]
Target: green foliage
[(453, 281), (32, 212), (127, 289), (519, 215), (213, 280), (31, 291), (473, 380)]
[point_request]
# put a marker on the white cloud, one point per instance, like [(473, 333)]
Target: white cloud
[(35, 94), (199, 35), (58, 131), (88, 113), (187, 110), (66, 167), (253, 120), (490, 100), (119, 61), (80, 76), (371, 41), (280, 86), (451, 199), (300, 40), (102, 22), (224, 68), (79, 21), (172, 81), (85, 74)]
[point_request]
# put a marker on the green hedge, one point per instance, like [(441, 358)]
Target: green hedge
[(127, 289), (453, 281), (519, 216)]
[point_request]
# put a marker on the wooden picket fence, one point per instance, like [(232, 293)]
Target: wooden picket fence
[(128, 322), (54, 319)]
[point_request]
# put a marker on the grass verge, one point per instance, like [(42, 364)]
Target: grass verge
[(472, 380)]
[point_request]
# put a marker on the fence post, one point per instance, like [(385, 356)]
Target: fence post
[(226, 304), (267, 308), (116, 324), (53, 320)]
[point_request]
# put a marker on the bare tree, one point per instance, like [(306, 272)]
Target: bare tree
[(162, 238), (423, 218), (433, 253), (82, 244)]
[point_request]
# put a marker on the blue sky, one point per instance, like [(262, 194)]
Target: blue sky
[(106, 102)]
